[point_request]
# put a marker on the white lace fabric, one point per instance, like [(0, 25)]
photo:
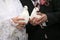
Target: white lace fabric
[(8, 10)]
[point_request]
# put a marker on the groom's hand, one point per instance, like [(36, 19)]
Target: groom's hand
[(37, 21)]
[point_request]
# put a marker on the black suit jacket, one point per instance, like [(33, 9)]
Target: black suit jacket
[(53, 25)]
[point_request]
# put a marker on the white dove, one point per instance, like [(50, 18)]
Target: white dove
[(34, 14), (25, 15)]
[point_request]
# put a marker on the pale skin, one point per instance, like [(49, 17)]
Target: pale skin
[(37, 21), (34, 21), (17, 21)]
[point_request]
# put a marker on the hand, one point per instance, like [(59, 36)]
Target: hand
[(18, 21), (37, 21)]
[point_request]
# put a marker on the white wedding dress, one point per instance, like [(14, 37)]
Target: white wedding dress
[(8, 10)]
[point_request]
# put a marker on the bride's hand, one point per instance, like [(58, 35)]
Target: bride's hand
[(18, 20)]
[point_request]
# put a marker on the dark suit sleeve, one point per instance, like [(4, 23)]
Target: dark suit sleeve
[(54, 17)]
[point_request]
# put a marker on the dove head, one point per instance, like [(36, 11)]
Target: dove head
[(25, 7), (37, 9)]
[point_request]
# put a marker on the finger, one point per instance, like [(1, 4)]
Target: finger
[(35, 20), (31, 20), (42, 20), (39, 21), (22, 23), (20, 19), (15, 19), (19, 26)]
